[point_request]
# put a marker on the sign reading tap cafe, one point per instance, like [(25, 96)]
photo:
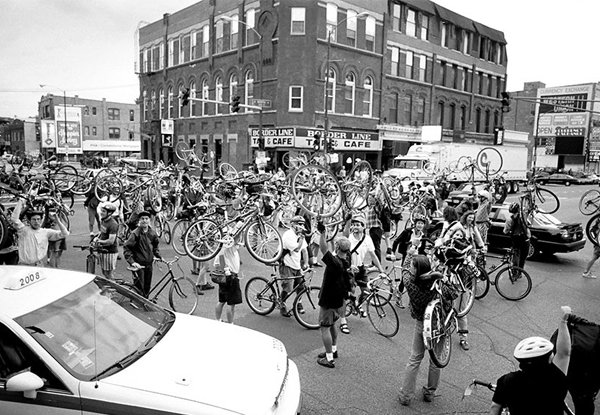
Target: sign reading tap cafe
[(303, 138)]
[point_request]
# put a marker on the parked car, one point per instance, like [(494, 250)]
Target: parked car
[(557, 178), (464, 191), (548, 234), (586, 178), (74, 343)]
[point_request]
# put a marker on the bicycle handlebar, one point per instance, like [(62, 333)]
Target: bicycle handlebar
[(490, 386)]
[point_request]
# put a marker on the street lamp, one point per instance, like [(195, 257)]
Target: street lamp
[(65, 111), (329, 33), (260, 69)]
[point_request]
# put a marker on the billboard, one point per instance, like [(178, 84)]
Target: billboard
[(68, 130), (303, 138), (563, 111)]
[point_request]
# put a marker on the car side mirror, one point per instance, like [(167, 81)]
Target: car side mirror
[(26, 382)]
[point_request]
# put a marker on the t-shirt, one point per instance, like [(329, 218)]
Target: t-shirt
[(336, 281), (524, 393), (107, 228), (358, 257), (33, 244), (290, 242), (231, 259)]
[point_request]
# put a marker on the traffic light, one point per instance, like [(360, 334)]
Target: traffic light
[(185, 97), (261, 143), (498, 136), (235, 104), (167, 140), (317, 141), (329, 145), (505, 101)]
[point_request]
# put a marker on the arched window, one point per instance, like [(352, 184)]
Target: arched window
[(218, 94), (204, 96), (368, 97), (153, 104), (478, 120), (249, 88), (349, 93), (192, 95), (441, 109), (170, 102), (330, 90), (161, 103), (233, 86), (145, 104)]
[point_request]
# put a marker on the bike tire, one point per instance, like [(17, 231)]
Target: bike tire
[(82, 186), (179, 229), (383, 316), (513, 283), (227, 171), (183, 297), (317, 190), (108, 188), (263, 241), (438, 339), (260, 296), (489, 161), (384, 286), (357, 185), (5, 225), (158, 226), (153, 198), (482, 284), (547, 201), (90, 264), (202, 240), (589, 203), (181, 149), (65, 177), (168, 209), (309, 298), (166, 235), (465, 300), (592, 229)]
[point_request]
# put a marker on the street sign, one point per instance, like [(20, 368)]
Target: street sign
[(263, 103)]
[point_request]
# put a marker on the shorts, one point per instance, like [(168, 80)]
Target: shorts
[(57, 246), (596, 250), (328, 316), (230, 292), (108, 261), (385, 219)]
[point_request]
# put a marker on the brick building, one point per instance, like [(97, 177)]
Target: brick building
[(94, 127), (20, 136), (392, 68)]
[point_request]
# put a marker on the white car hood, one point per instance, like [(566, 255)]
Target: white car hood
[(218, 370)]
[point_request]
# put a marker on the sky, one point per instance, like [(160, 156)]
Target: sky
[(87, 47)]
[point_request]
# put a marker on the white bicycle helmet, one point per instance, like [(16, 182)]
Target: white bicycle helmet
[(532, 347), (108, 206), (484, 193)]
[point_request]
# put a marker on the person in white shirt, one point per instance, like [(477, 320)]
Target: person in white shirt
[(294, 246), (230, 293), (33, 239)]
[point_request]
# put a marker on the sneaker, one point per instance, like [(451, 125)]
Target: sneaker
[(589, 275), (199, 290), (399, 303), (207, 287), (427, 395), (404, 401), (300, 308), (323, 355), (389, 254), (363, 313), (464, 344), (327, 363), (284, 312)]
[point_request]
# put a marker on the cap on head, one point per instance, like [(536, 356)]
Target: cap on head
[(297, 219), (420, 219), (31, 213), (359, 217), (144, 214), (532, 347), (485, 194)]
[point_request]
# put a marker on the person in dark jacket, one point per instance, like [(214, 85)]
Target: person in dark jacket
[(140, 250), (519, 234)]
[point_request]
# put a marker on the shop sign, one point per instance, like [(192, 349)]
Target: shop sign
[(167, 126), (48, 131), (562, 111), (303, 137), (112, 145), (68, 129), (274, 137)]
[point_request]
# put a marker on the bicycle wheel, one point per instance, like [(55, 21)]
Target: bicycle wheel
[(90, 264), (182, 150), (179, 229), (418, 211), (316, 190), (309, 298), (202, 240), (82, 185), (547, 202), (384, 286), (154, 198), (589, 203), (513, 283), (430, 167), (383, 316), (260, 296), (489, 161), (123, 233), (183, 296), (482, 284), (263, 241), (357, 185), (168, 209), (158, 226), (592, 229), (438, 339), (227, 171), (464, 302), (65, 178), (108, 188), (166, 234)]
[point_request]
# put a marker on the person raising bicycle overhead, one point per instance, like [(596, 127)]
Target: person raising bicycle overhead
[(519, 233), (540, 387)]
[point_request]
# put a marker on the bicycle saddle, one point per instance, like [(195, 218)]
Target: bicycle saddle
[(431, 276)]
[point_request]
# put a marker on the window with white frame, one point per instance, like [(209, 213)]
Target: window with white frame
[(205, 40), (298, 20), (148, 60), (332, 19), (349, 93), (444, 34), (368, 97), (408, 73), (234, 31), (192, 95), (424, 25), (370, 33), (186, 47), (351, 25), (422, 68), (161, 103), (205, 96), (170, 102), (395, 61), (219, 36), (249, 89), (153, 104), (161, 56), (250, 22), (411, 23), (330, 91), (155, 57), (176, 52), (233, 86), (114, 132), (296, 94), (396, 15), (171, 53), (145, 103), (465, 42), (218, 94), (194, 49)]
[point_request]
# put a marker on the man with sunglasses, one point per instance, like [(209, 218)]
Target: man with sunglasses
[(295, 248)]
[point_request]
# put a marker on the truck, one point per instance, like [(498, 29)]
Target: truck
[(424, 161)]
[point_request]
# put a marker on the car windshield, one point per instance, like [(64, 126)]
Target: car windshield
[(545, 219), (98, 329), (407, 164)]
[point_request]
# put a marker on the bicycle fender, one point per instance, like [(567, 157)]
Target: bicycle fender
[(427, 328)]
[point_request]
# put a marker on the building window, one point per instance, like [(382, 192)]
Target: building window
[(498, 54), (488, 115), (148, 60), (205, 96), (351, 25), (393, 109), (233, 86), (370, 33), (445, 34), (424, 26), (490, 80), (466, 44), (86, 110), (170, 60), (421, 111), (218, 94), (407, 101), (468, 79), (94, 111), (496, 119), (233, 39), (114, 132), (180, 90), (332, 19), (395, 61), (453, 72), (409, 64), (422, 68), (461, 74), (478, 120), (330, 91), (161, 104), (94, 131), (145, 104), (192, 102), (298, 16), (396, 14), (194, 43), (482, 47), (250, 21), (219, 36), (368, 97), (186, 48), (132, 113), (177, 57), (349, 93), (443, 73), (249, 88), (205, 40), (441, 114), (170, 103), (463, 117), (452, 116), (86, 130), (131, 136), (411, 23), (296, 94), (153, 105)]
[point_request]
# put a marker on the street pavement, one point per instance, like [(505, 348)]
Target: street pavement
[(369, 369)]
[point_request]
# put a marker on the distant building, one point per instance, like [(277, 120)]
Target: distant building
[(388, 68), (19, 135), (93, 127)]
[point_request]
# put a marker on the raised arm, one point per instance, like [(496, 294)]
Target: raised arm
[(563, 342)]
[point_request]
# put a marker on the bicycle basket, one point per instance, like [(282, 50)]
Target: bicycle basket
[(218, 277)]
